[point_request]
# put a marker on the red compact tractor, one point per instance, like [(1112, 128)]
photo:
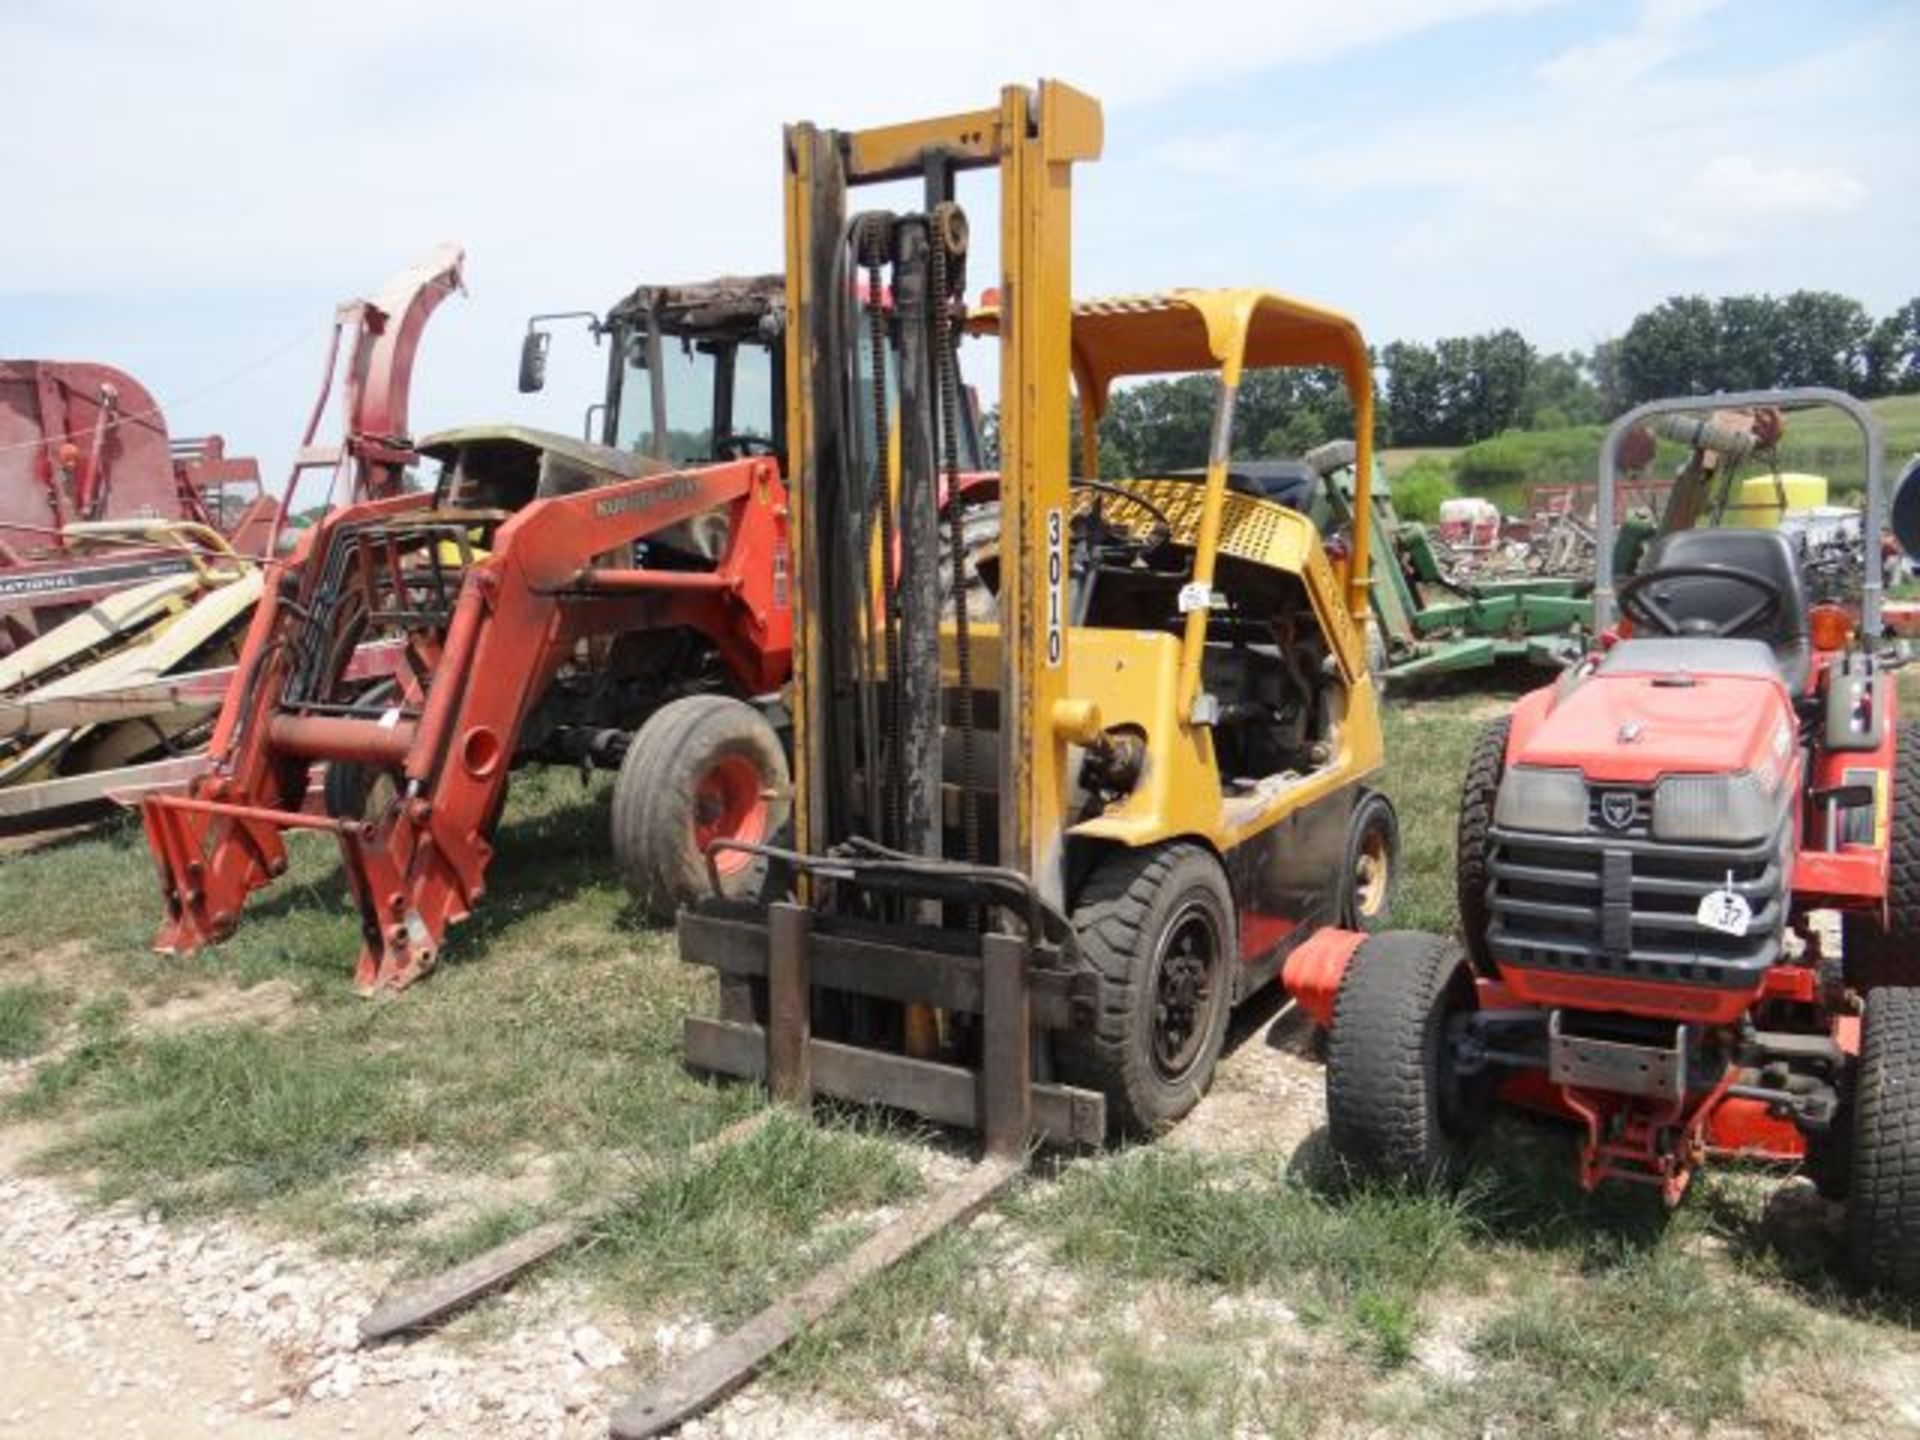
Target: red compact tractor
[(1645, 846), (546, 599)]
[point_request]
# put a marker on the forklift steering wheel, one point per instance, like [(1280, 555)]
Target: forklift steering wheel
[(1642, 604), (1120, 492), (743, 446)]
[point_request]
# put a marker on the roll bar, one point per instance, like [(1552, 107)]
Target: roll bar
[(1605, 522)]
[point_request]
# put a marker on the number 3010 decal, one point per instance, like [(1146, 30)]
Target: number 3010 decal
[(1056, 588)]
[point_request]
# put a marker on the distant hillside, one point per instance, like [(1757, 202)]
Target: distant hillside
[(1821, 442)]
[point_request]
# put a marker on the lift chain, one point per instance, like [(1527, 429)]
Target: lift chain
[(876, 247), (949, 234)]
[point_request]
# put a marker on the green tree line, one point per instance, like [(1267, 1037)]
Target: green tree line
[(1467, 388)]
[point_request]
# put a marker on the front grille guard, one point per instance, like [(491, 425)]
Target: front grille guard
[(1624, 907)]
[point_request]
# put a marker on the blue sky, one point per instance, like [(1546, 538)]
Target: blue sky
[(193, 187)]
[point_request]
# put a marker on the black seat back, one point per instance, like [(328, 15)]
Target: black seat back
[(1765, 554)]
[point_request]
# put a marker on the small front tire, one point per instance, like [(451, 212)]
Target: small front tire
[(1395, 1110), (701, 769)]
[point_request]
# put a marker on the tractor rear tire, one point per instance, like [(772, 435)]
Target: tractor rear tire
[(1485, 767), (1391, 1111), (701, 768), (1371, 877), (353, 790), (1883, 1212), (1158, 924), (1876, 955)]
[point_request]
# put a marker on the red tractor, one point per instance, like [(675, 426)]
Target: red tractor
[(546, 599), (1644, 847)]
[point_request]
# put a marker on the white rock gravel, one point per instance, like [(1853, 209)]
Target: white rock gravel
[(115, 1324)]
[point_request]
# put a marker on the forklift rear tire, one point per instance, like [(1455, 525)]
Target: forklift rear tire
[(1158, 923), (1485, 766), (1874, 954), (702, 768), (1394, 1113), (1372, 874), (1883, 1211)]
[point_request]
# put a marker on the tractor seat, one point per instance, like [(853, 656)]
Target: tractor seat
[(1766, 554)]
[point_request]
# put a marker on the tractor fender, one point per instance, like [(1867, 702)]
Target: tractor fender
[(1529, 713)]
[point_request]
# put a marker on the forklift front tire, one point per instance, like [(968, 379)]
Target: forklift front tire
[(1158, 924), (702, 768)]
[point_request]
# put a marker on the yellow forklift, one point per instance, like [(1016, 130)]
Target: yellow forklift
[(1067, 784), (1077, 764), (1133, 775)]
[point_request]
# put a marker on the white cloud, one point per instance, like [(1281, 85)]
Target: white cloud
[(1665, 29), (225, 148), (222, 142), (1733, 198), (220, 149), (1538, 202)]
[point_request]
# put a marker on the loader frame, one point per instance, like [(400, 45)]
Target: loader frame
[(491, 606)]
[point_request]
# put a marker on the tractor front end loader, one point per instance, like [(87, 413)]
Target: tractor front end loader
[(1644, 848), (544, 599)]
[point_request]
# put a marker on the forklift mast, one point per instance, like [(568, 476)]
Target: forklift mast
[(867, 750)]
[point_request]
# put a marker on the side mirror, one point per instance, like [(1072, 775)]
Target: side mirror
[(533, 361), (1905, 511)]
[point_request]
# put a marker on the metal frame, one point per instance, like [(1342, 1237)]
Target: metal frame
[(471, 675), (1872, 435)]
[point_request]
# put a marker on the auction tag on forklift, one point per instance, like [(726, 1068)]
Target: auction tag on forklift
[(1726, 911)]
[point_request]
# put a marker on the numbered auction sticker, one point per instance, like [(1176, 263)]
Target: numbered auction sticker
[(1726, 911)]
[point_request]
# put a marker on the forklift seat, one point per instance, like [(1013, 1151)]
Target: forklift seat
[(1292, 483), (1765, 554)]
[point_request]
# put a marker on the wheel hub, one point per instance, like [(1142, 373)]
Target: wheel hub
[(1371, 872), (1184, 992), (728, 804)]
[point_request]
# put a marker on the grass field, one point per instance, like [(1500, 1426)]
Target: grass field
[(1183, 1288)]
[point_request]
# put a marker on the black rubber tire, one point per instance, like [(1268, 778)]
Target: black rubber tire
[(1372, 816), (1883, 1211), (1127, 907), (1388, 1115), (1473, 839), (347, 788), (1875, 955), (655, 799)]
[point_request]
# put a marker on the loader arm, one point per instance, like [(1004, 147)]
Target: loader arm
[(529, 589)]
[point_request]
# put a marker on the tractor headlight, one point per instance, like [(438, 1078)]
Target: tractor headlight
[(1714, 809), (1533, 797)]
